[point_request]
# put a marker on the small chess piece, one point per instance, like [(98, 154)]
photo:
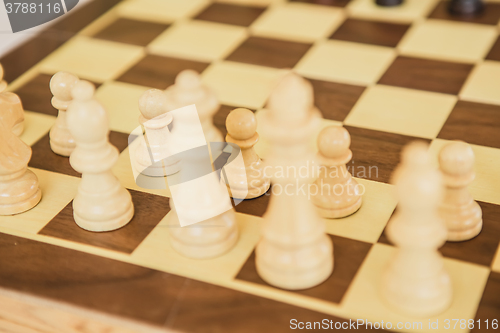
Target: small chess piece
[(295, 252), (337, 193), (251, 182), (19, 127), (3, 83), (188, 89), (466, 7), (416, 282), (101, 202), (19, 189), (389, 3), (61, 141), (462, 215), (153, 150)]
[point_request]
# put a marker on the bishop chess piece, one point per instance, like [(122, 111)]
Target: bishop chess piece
[(462, 215), (153, 150), (466, 7), (241, 126), (19, 126), (188, 89), (19, 189), (101, 202), (61, 141), (295, 252), (338, 194), (389, 3), (416, 282)]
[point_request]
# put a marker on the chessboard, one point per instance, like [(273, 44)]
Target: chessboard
[(388, 75)]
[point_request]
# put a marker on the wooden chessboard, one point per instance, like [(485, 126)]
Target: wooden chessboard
[(389, 76)]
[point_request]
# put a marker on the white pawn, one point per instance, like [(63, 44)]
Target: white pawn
[(61, 141), (338, 194), (462, 215), (188, 89), (416, 282), (101, 202), (250, 182), (19, 126), (295, 252), (152, 151)]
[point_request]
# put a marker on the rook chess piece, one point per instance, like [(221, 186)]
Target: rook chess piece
[(188, 90), (338, 194), (241, 126), (462, 215), (295, 251), (466, 7), (19, 190), (416, 282), (101, 202), (61, 141)]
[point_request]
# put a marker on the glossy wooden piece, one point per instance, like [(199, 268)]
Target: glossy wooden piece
[(462, 215), (101, 203), (19, 189)]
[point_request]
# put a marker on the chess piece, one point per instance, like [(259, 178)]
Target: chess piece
[(19, 126), (61, 141), (3, 83), (241, 126), (153, 150), (101, 202), (188, 90), (201, 197), (466, 7), (389, 3), (19, 189), (462, 215), (294, 252), (338, 194), (416, 282)]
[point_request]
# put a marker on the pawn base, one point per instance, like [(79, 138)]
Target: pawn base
[(252, 193), (23, 206), (63, 149), (101, 226), (465, 234), (331, 213), (204, 251)]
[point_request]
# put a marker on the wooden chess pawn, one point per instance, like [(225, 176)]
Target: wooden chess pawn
[(19, 127), (337, 193), (101, 202), (61, 141), (462, 215), (19, 189), (188, 89), (250, 182), (153, 150)]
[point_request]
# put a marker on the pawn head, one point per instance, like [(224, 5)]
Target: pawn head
[(456, 158), (188, 79), (152, 103), (83, 91), (241, 124), (62, 84), (334, 142), (415, 154)]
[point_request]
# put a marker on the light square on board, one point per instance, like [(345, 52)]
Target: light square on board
[(36, 125), (346, 62), (57, 191), (163, 11), (402, 111), (298, 22), (198, 40), (483, 85), (409, 11), (121, 102), (241, 84), (92, 59), (446, 40), (364, 299)]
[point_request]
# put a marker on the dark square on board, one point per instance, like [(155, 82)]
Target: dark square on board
[(370, 32), (495, 51), (489, 305), (269, 52), (159, 72), (131, 31), (149, 210), (430, 75), (474, 123), (349, 255), (230, 14), (335, 3), (490, 15)]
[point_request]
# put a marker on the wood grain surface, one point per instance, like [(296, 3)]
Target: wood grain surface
[(230, 14), (131, 31), (370, 32)]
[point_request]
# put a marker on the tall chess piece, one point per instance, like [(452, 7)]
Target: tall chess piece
[(101, 203), (241, 126), (294, 252), (338, 194), (3, 83), (19, 190), (416, 282), (153, 149), (188, 89), (200, 197), (61, 141), (462, 215), (389, 3), (466, 7), (19, 126)]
